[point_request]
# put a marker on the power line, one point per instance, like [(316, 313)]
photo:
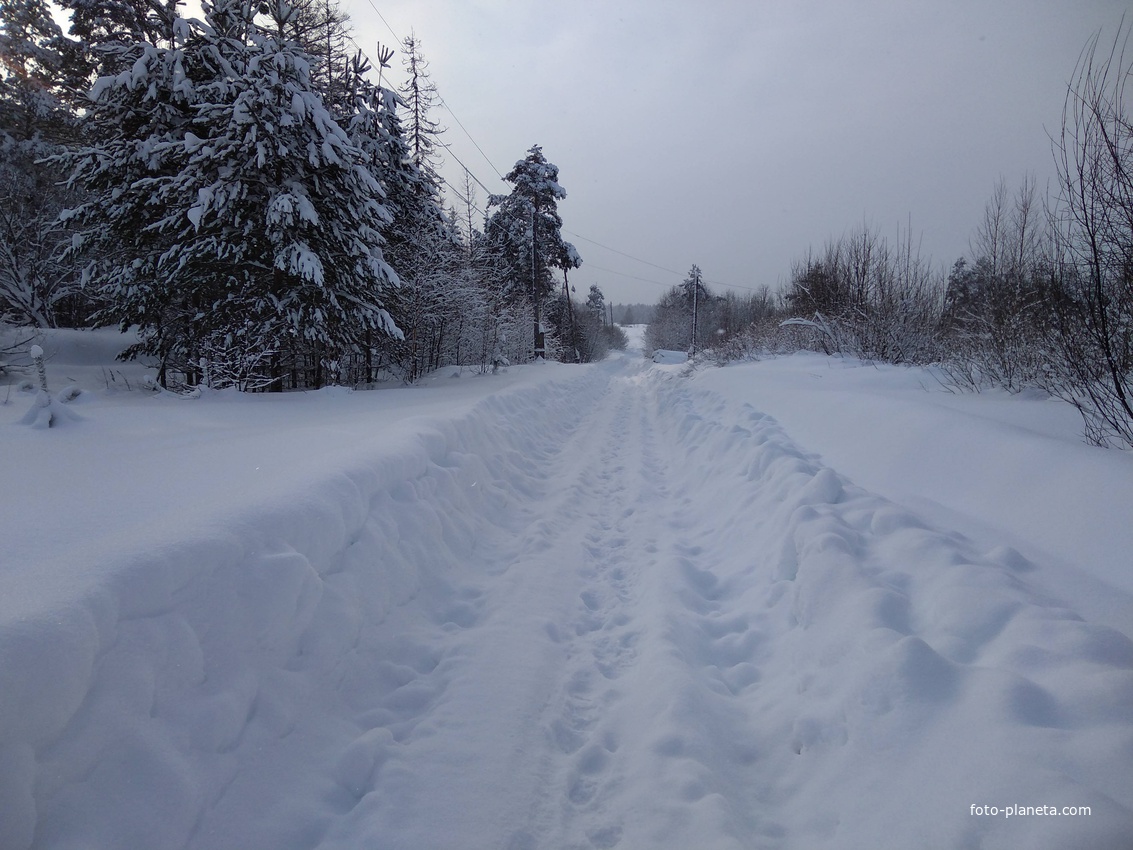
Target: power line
[(384, 21), (622, 253), (589, 265), (444, 103), (472, 174), (469, 135), (469, 172), (654, 265)]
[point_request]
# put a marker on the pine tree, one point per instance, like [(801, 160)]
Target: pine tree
[(322, 29), (596, 302), (419, 94), (134, 118), (525, 230)]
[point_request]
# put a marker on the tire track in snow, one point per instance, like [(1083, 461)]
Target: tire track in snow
[(648, 750), (600, 643)]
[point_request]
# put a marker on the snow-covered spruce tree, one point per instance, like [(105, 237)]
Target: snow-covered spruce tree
[(134, 120), (419, 237), (247, 223), (36, 287), (371, 122), (525, 231)]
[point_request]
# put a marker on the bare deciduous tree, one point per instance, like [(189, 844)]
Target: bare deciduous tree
[(1093, 223)]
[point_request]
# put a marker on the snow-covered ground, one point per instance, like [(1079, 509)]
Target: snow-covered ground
[(803, 603)]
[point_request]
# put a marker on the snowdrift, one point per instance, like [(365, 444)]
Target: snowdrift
[(881, 676), (187, 693)]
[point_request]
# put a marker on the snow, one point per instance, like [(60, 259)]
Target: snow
[(1003, 469), (802, 603), (669, 358)]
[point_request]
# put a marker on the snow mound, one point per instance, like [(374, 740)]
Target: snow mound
[(669, 358)]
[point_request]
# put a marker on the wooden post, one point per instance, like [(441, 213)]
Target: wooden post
[(540, 347), (695, 294)]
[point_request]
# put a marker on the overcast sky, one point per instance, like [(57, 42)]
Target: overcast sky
[(735, 135)]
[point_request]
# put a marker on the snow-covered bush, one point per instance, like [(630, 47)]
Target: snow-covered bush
[(865, 298), (1094, 242)]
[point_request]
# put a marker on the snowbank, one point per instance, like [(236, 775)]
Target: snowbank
[(878, 673), (1001, 468), (202, 600)]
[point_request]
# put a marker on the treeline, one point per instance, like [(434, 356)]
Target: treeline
[(1045, 300), (631, 314), (248, 194)]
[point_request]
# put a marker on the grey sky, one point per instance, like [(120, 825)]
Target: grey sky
[(735, 135)]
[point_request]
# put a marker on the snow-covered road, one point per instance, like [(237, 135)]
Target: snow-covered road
[(607, 608)]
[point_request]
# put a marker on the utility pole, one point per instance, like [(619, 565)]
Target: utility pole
[(570, 318), (695, 298), (540, 349)]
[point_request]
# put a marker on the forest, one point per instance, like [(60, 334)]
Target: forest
[(244, 193)]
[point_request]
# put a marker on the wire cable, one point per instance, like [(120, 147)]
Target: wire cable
[(472, 174)]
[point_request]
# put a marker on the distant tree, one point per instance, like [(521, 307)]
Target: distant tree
[(998, 309), (596, 338), (421, 236), (865, 297), (696, 298), (596, 302), (34, 71), (322, 29), (818, 286), (671, 327)]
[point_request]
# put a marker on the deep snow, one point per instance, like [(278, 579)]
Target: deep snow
[(803, 603)]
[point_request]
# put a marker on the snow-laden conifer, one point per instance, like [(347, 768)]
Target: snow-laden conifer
[(250, 221), (525, 230)]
